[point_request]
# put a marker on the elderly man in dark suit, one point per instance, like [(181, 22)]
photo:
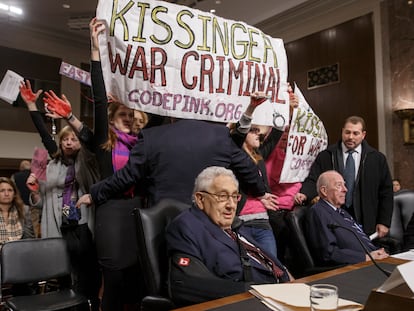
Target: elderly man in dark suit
[(330, 242), (370, 197), (212, 258)]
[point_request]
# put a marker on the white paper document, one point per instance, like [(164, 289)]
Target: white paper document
[(408, 255), (9, 86), (402, 274), (288, 296)]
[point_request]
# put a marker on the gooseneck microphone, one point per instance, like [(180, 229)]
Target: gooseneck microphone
[(335, 226)]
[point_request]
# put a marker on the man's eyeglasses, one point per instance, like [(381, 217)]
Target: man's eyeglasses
[(224, 197)]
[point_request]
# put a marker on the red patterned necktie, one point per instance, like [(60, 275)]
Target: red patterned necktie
[(257, 253)]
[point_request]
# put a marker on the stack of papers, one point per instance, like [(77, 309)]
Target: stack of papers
[(291, 296), (408, 255)]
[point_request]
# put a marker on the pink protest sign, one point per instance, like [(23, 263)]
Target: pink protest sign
[(39, 163)]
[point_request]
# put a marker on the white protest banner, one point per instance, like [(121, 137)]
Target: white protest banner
[(307, 137), (171, 60), (75, 73)]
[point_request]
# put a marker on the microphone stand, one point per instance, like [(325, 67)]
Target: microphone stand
[(335, 226)]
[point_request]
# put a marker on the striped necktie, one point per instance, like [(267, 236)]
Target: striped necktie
[(257, 253), (357, 228)]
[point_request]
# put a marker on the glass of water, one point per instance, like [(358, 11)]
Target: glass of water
[(323, 297)]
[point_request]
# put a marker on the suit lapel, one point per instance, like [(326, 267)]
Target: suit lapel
[(215, 231), (337, 218)]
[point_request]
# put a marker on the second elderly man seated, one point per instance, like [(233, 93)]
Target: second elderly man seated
[(210, 257), (331, 231)]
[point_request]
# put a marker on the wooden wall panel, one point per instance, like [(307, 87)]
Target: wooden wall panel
[(350, 44), (44, 70)]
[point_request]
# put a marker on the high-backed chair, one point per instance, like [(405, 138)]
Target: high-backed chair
[(153, 259), (35, 260), (402, 214), (304, 263)]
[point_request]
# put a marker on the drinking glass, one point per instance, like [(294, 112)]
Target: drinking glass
[(323, 297)]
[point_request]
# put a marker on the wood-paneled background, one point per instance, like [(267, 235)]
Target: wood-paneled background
[(351, 45)]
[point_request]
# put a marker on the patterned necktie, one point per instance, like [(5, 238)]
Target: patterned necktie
[(357, 228), (257, 253), (349, 177), (69, 197)]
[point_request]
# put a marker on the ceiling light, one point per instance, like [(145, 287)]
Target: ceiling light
[(16, 10), (212, 11), (11, 9), (66, 6)]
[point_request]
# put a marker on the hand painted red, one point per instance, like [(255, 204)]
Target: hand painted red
[(27, 93), (60, 106)]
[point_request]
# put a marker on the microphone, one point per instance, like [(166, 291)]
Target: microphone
[(335, 226)]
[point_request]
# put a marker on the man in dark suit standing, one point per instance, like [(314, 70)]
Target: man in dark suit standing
[(332, 246), (369, 183)]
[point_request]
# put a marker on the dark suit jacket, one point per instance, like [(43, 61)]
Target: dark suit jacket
[(332, 246), (193, 233), (167, 159)]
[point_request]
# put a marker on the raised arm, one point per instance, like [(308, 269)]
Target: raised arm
[(100, 98), (61, 108), (30, 99), (245, 122)]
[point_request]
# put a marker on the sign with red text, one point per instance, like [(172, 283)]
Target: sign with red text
[(175, 61), (307, 137)]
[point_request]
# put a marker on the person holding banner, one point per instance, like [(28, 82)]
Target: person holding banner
[(285, 191), (371, 200), (114, 135), (268, 153), (250, 209)]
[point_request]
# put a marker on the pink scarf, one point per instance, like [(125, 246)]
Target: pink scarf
[(123, 146)]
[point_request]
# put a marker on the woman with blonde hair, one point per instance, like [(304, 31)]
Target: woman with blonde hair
[(68, 176)]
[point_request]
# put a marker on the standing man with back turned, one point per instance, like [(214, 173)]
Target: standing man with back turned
[(370, 197)]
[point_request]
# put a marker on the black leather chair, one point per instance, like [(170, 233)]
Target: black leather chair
[(402, 214), (35, 260), (303, 263), (153, 259)]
